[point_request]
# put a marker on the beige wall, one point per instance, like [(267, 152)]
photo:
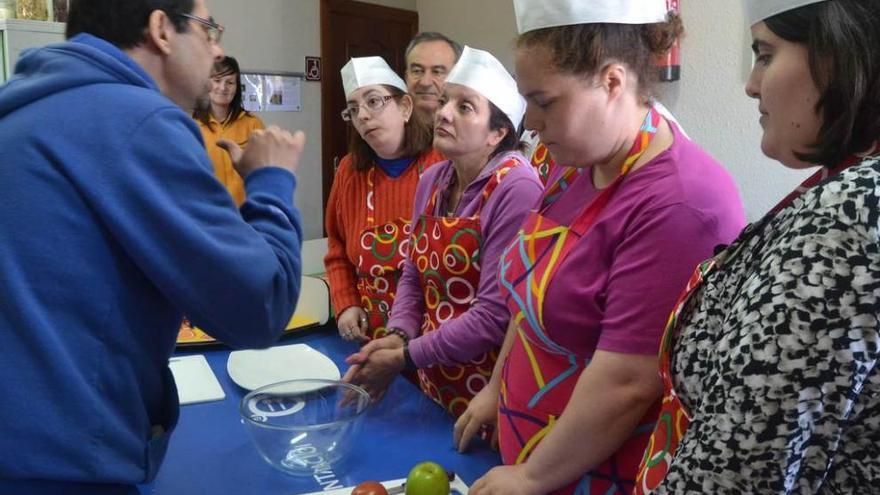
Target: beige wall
[(709, 100), (398, 4), (485, 24)]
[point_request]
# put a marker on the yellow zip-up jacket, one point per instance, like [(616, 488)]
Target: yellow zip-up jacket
[(239, 130)]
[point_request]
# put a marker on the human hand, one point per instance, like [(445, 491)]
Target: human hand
[(386, 342), (506, 480), (374, 369), (270, 147), (353, 323), (482, 410)]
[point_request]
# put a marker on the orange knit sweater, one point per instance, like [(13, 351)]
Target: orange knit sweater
[(346, 218)]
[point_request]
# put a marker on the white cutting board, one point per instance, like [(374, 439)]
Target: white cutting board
[(458, 486), (195, 380)]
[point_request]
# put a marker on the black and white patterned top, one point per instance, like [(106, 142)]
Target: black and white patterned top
[(776, 358)]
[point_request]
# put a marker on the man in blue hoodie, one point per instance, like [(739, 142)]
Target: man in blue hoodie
[(112, 227)]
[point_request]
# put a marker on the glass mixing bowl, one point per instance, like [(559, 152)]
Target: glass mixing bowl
[(304, 426)]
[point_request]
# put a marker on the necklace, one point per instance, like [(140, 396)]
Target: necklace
[(455, 193)]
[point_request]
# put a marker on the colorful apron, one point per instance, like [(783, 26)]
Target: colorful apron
[(383, 250), (539, 375), (542, 162), (446, 252), (674, 419)]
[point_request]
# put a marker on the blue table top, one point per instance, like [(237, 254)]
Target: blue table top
[(211, 453)]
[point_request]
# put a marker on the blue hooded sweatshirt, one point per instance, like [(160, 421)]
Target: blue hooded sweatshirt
[(112, 226)]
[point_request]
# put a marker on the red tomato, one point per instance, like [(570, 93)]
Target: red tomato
[(370, 488)]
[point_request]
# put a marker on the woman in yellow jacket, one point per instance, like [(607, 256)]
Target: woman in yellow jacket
[(226, 118)]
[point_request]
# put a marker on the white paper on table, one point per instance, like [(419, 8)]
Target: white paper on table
[(457, 486), (195, 380)]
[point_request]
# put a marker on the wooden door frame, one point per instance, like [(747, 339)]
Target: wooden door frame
[(350, 7)]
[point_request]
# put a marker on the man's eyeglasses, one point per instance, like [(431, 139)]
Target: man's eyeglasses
[(213, 30), (374, 104)]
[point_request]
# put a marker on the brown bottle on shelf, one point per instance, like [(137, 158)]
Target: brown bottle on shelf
[(59, 9)]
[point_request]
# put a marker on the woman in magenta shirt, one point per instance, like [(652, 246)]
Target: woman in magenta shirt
[(594, 271), (448, 319)]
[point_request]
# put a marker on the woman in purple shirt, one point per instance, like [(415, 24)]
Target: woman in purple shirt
[(448, 319), (595, 269)]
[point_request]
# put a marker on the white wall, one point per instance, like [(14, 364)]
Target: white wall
[(485, 24), (709, 101), (278, 35)]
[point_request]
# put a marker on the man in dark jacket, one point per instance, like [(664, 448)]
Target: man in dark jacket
[(113, 226)]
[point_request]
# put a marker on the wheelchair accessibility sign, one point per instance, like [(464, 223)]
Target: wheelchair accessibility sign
[(313, 68)]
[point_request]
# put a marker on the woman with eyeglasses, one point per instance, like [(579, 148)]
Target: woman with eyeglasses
[(224, 118), (370, 204), (448, 319), (770, 363)]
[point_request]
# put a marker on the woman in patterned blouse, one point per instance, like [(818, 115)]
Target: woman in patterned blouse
[(770, 360)]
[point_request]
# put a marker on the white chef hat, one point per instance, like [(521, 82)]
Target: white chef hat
[(365, 71), (759, 10), (539, 14), (482, 72)]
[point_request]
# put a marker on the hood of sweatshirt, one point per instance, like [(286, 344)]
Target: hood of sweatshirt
[(83, 60)]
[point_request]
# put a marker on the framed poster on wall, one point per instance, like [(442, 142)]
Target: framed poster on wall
[(272, 92)]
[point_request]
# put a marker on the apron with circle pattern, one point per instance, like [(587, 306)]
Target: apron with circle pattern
[(446, 253), (383, 249)]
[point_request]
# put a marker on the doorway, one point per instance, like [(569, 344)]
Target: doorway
[(354, 29)]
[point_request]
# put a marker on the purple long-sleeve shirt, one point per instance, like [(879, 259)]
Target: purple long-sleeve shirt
[(482, 326)]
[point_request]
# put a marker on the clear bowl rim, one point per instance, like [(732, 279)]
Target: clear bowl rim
[(335, 383)]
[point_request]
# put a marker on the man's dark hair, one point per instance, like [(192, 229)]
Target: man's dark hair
[(122, 22), (427, 36), (225, 67), (842, 39)]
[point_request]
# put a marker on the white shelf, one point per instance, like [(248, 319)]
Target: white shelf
[(32, 26), (19, 34)]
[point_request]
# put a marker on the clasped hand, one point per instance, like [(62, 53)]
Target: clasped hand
[(375, 365)]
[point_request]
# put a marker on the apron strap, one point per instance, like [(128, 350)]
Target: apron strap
[(371, 196), (589, 214), (498, 174)]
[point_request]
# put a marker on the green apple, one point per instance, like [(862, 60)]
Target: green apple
[(427, 478)]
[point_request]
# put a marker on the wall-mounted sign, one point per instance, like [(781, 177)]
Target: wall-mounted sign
[(267, 92), (313, 68)]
